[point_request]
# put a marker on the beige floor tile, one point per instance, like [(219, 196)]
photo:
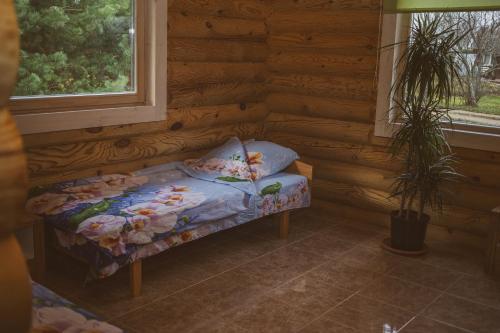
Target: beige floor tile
[(269, 316), (324, 325), (349, 233), (343, 275), (484, 290), (365, 315), (455, 257), (375, 260), (324, 245), (463, 313), (403, 294), (217, 326), (282, 265), (226, 291), (178, 313), (310, 294), (426, 325), (424, 274)]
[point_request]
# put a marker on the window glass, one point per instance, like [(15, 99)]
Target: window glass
[(478, 99), (75, 47)]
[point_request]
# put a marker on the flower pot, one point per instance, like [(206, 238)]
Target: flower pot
[(408, 232)]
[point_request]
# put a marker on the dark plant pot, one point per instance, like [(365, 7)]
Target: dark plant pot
[(408, 234)]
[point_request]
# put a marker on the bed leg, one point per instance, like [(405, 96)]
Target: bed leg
[(284, 218), (39, 248), (136, 278)]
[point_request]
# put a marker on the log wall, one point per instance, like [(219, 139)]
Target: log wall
[(299, 72), (322, 97), (216, 89)]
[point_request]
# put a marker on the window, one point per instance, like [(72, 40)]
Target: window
[(476, 108), (89, 63)]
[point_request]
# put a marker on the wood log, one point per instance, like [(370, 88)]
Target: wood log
[(213, 27), (216, 94), (318, 127), (482, 173), (357, 154), (177, 119), (365, 43), (76, 156), (454, 217), (323, 86), (458, 194), (196, 74), (311, 106), (322, 62), (118, 168), (195, 50), (304, 21), (249, 9), (279, 5)]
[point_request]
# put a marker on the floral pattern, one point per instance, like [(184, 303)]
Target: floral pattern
[(267, 158), (274, 198), (155, 209), (226, 164), (233, 167), (53, 314), (258, 169)]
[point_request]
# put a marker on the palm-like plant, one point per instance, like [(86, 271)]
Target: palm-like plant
[(428, 70)]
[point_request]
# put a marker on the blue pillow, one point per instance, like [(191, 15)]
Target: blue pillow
[(226, 164), (266, 158)]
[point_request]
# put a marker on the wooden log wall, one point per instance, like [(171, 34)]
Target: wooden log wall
[(321, 96), (298, 72), (216, 89)]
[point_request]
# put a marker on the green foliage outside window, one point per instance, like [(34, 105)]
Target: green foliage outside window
[(75, 46)]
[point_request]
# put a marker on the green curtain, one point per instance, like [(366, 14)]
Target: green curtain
[(412, 6)]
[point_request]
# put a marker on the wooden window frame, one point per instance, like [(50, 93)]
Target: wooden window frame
[(395, 28), (147, 103)]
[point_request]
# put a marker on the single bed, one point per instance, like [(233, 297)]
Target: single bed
[(113, 221)]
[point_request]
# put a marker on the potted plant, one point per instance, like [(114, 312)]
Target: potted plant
[(428, 73)]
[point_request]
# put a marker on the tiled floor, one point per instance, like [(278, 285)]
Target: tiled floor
[(329, 276)]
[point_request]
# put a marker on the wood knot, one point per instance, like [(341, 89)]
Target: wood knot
[(122, 143), (243, 106), (209, 25), (176, 126)]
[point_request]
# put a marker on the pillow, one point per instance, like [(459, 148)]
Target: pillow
[(266, 158), (226, 164)]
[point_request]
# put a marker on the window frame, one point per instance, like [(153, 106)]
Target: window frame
[(146, 104), (395, 28)]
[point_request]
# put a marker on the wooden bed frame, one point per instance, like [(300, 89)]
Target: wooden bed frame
[(135, 268)]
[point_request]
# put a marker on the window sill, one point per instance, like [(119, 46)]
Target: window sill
[(456, 138), (69, 120)]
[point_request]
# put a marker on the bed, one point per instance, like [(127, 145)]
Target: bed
[(52, 313), (113, 221)]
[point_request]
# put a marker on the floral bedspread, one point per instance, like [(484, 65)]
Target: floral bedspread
[(51, 313), (113, 220)]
